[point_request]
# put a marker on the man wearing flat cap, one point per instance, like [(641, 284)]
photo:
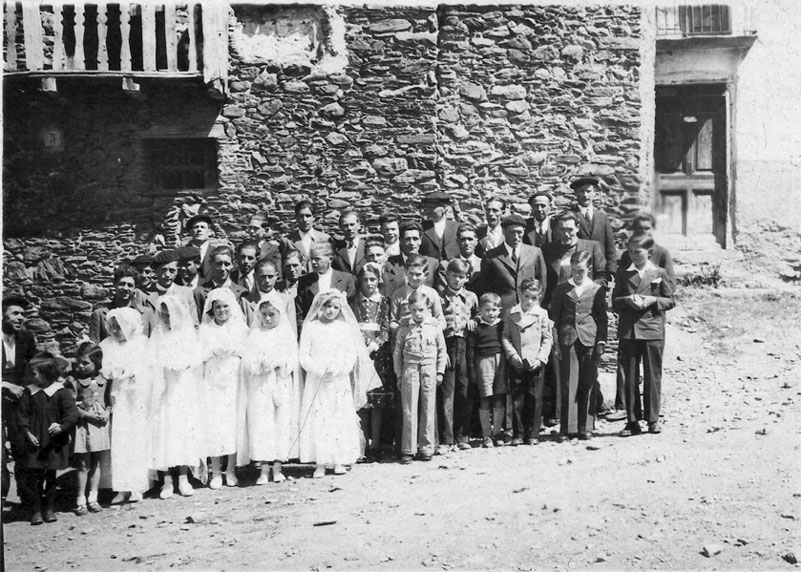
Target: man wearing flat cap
[(199, 228), (439, 234), (146, 274), (505, 267), (189, 263), (166, 264), (19, 346), (593, 223)]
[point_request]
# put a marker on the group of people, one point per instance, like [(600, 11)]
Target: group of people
[(330, 351)]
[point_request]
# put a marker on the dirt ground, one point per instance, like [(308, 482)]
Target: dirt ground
[(723, 475)]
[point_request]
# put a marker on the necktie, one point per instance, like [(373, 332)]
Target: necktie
[(587, 218), (514, 255)]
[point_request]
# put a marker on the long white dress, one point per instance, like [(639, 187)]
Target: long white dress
[(222, 384), (130, 378), (269, 369), (329, 425), (176, 393)]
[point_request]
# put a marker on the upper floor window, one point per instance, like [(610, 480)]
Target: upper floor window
[(182, 164)]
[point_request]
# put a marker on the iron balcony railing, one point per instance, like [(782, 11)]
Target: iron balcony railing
[(703, 20)]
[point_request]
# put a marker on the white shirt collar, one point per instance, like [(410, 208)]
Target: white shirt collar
[(49, 390), (648, 266), (324, 280), (376, 297)]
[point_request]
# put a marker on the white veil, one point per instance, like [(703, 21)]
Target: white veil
[(230, 336), (364, 377), (175, 347), (122, 360)]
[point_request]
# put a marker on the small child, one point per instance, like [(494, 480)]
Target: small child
[(46, 415), (338, 375), (527, 341), (222, 337), (486, 368), (416, 270), (371, 309), (459, 307), (92, 441), (578, 311), (269, 366), (643, 293), (130, 379), (420, 356)]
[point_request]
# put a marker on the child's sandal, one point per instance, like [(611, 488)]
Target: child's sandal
[(94, 507), (80, 510)]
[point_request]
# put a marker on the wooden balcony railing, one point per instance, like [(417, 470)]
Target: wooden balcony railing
[(703, 20), (145, 39)]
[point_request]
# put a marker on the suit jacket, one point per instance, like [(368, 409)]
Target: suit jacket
[(194, 300), (553, 251), (482, 247), (601, 232), (341, 261), (202, 291), (239, 280), (394, 275), (501, 275), (308, 289), (535, 238), (292, 242), (581, 318), (24, 350), (647, 324), (431, 245), (97, 321), (205, 263), (659, 257)]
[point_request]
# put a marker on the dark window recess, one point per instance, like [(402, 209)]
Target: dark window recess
[(183, 164), (704, 19)]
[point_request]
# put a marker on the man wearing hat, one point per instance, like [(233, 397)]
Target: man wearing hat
[(505, 267), (540, 227), (166, 264), (593, 223), (146, 275), (19, 346), (199, 229), (439, 234), (188, 266)]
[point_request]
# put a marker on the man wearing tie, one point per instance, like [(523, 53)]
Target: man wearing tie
[(439, 234), (593, 223), (246, 257), (539, 228), (305, 236), (490, 235), (349, 252)]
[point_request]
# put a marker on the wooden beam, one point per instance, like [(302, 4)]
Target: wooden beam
[(170, 39), (32, 26), (155, 74), (49, 84), (125, 32), (11, 32), (58, 42), (79, 59), (215, 46), (148, 36), (102, 30), (192, 34)]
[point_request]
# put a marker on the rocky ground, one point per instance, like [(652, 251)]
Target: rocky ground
[(719, 489)]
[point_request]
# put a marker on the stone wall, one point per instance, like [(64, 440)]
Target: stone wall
[(474, 100)]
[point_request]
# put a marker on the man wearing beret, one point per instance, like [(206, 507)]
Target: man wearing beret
[(199, 228), (19, 346), (188, 266), (593, 223), (166, 264), (439, 234), (505, 267)]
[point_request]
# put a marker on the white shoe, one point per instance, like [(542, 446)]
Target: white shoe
[(120, 498), (278, 477), (231, 480), (319, 472), (340, 470), (185, 489), (215, 482), (262, 480), (166, 491), (134, 497)]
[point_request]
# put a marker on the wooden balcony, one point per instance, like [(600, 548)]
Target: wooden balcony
[(128, 40)]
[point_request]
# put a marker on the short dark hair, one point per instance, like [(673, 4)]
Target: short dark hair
[(489, 297), (93, 352), (531, 284), (124, 270), (389, 217), (222, 249), (567, 215), (294, 253), (496, 199), (410, 225), (247, 244), (458, 265), (642, 216), (642, 240), (265, 262), (581, 257), (545, 194), (47, 365), (465, 227), (304, 204), (420, 296), (415, 261)]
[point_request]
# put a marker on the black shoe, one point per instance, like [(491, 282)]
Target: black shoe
[(49, 516), (655, 427), (36, 518), (553, 421), (425, 457), (631, 429), (405, 459), (532, 441), (585, 436), (559, 437), (516, 441)]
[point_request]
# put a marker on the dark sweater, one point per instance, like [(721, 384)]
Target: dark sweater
[(486, 339)]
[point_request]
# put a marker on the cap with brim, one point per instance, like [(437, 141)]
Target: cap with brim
[(143, 260), (584, 181), (513, 220), (165, 257), (437, 197), (15, 300), (187, 253), (197, 218)]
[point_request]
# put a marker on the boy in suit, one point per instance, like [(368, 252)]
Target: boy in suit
[(642, 295), (322, 279)]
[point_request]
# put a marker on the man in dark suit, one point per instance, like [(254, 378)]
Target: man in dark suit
[(200, 228), (593, 223), (557, 255), (19, 346), (349, 251), (439, 234), (322, 279), (222, 259), (305, 235), (490, 235), (505, 267), (466, 236), (125, 294), (247, 253), (540, 227), (257, 230), (393, 273), (166, 265)]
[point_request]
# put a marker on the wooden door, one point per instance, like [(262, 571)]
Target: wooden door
[(690, 162)]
